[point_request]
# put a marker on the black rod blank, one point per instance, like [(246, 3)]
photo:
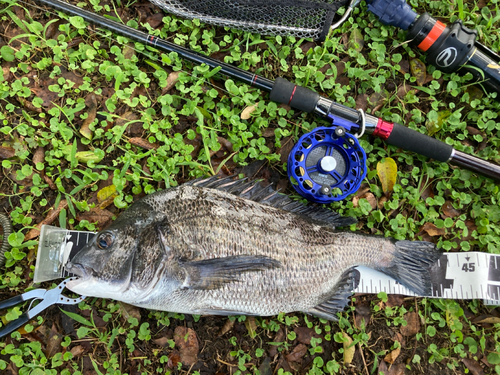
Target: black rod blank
[(141, 37)]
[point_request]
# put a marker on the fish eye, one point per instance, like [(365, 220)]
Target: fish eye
[(105, 240)]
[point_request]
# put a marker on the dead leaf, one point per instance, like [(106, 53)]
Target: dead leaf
[(381, 202), (156, 20), (279, 337), (7, 74), (399, 338), (472, 130), (49, 219), (71, 76), (126, 118), (77, 351), (426, 190), (162, 341), (106, 196), (397, 369), (173, 359), (226, 327), (187, 342), (382, 368), (387, 171), (172, 79), (47, 96), (418, 69), (362, 102), (7, 152), (54, 342), (39, 156), (251, 326), (49, 182), (394, 300), (129, 311), (412, 326), (286, 146), (474, 93), (140, 142), (403, 89), (435, 125), (392, 356), (473, 366), (247, 112), (349, 349), (75, 42), (91, 103), (362, 314), (265, 367), (28, 105), (486, 319), (96, 215), (225, 144), (449, 211), (268, 133), (297, 353), (404, 66), (305, 334), (356, 41), (87, 156), (432, 230), (306, 46), (128, 51), (369, 197)]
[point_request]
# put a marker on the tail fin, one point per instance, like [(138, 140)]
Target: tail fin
[(411, 265)]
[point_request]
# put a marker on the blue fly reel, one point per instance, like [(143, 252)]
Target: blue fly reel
[(325, 160)]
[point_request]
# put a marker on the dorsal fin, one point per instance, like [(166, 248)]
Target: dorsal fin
[(253, 191), (337, 303)]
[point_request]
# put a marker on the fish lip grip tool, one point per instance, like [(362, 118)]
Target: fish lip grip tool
[(47, 297)]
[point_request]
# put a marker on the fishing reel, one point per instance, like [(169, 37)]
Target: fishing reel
[(327, 164)]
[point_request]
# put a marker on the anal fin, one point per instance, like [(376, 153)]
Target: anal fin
[(339, 300)]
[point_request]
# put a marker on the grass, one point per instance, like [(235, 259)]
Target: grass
[(66, 144)]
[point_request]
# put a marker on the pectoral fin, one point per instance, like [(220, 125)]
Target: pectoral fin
[(343, 290), (213, 273)]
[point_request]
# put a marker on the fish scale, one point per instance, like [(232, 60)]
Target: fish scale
[(203, 250)]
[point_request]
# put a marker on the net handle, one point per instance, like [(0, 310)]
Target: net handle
[(353, 4)]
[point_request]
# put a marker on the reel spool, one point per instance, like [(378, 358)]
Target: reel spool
[(325, 159)]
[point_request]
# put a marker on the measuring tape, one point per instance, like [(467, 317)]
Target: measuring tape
[(466, 275)]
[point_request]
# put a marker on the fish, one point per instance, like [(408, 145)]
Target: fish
[(232, 247)]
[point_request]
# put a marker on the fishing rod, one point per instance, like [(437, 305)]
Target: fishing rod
[(449, 48), (328, 158)]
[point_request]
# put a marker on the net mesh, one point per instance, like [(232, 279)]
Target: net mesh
[(302, 18)]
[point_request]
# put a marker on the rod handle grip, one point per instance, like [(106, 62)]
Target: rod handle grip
[(295, 96), (422, 144)]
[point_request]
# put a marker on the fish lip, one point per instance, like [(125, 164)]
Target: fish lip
[(79, 270)]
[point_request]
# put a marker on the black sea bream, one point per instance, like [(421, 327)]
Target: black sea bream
[(228, 247)]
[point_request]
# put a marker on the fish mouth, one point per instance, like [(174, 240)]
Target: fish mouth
[(79, 270)]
